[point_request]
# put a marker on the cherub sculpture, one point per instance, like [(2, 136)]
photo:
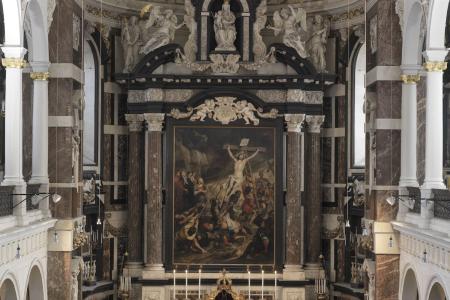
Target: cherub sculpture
[(292, 23)]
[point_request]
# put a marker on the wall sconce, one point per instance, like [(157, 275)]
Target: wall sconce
[(390, 242), (18, 252), (424, 258), (56, 237)]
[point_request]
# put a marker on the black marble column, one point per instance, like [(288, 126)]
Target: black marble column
[(294, 225), (135, 188), (313, 204), (154, 189)]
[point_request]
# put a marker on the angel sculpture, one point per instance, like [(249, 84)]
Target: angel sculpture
[(131, 37), (166, 24), (190, 48), (259, 47), (292, 22), (317, 43)]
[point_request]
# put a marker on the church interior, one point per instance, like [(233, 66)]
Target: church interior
[(224, 150)]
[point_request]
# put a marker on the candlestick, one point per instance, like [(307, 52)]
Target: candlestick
[(186, 284), (249, 288), (262, 284), (199, 283), (275, 296), (174, 284)]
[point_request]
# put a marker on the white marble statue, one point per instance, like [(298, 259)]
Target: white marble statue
[(131, 42), (190, 48), (166, 24), (259, 47), (225, 28), (292, 23), (317, 43), (74, 285)]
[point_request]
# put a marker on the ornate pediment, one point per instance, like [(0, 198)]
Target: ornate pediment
[(225, 110)]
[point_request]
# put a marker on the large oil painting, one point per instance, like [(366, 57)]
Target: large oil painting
[(224, 193)]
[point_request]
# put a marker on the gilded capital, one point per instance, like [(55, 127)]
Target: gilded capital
[(11, 62), (435, 66), (294, 122), (410, 79), (135, 122), (154, 122), (43, 76), (314, 123)]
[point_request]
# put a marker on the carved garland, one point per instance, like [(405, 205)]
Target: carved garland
[(225, 110)]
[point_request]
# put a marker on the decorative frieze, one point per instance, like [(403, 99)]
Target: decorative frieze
[(225, 110), (307, 97)]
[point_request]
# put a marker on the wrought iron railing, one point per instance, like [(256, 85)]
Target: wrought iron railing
[(6, 200), (32, 189)]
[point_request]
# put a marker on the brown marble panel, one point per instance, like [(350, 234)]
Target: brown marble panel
[(389, 35), (61, 33), (27, 138), (389, 100), (384, 211), (387, 277), (60, 91), (59, 275), (340, 112), (60, 154), (326, 160), (388, 157), (108, 109), (62, 209), (340, 164), (340, 260)]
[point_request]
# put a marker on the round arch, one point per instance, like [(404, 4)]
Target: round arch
[(35, 287), (38, 38), (436, 23), (412, 46), (8, 290), (244, 4), (410, 289), (13, 22), (436, 290)]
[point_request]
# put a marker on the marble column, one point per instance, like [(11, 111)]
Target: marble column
[(135, 191), (154, 158), (294, 229), (434, 66), (14, 63), (39, 171), (313, 204)]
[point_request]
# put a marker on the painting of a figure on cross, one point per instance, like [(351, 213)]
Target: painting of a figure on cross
[(224, 195)]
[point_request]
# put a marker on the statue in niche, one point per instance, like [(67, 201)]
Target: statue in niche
[(317, 43), (190, 48), (166, 24), (259, 47), (131, 42), (224, 28), (292, 22)]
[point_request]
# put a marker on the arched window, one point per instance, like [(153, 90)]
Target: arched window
[(358, 115), (91, 112)]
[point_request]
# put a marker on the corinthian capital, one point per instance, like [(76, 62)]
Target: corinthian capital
[(135, 122), (294, 122), (314, 123), (154, 121)]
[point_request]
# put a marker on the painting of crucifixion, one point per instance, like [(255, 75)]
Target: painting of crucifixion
[(224, 195)]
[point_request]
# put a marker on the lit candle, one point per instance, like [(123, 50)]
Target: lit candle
[(174, 284), (199, 283), (186, 284), (249, 288), (262, 284), (275, 285)]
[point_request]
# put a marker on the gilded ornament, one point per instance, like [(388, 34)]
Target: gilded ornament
[(17, 63), (410, 79), (43, 76), (435, 66)]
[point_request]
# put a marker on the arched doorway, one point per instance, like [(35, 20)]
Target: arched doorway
[(437, 293), (35, 288), (410, 289), (8, 290)]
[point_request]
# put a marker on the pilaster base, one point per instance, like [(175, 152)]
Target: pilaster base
[(153, 271), (134, 269), (293, 273), (313, 270)]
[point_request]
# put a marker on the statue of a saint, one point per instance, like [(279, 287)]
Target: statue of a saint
[(318, 42), (224, 28)]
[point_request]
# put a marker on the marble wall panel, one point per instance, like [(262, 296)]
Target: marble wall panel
[(387, 277), (63, 209), (340, 165), (61, 33), (340, 112), (108, 109), (59, 275), (27, 138), (326, 160), (60, 91), (389, 100), (384, 211), (123, 157), (389, 51), (60, 154), (387, 157), (421, 121)]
